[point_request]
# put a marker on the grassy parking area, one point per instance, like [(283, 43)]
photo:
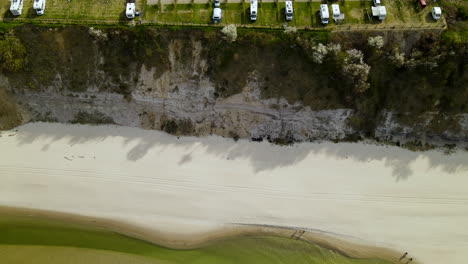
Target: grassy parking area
[(400, 12), (74, 9)]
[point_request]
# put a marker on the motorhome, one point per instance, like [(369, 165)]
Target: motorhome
[(288, 11), (253, 10), (130, 10), (16, 7), (380, 12), (436, 13), (216, 14), (324, 15), (335, 11), (39, 6)]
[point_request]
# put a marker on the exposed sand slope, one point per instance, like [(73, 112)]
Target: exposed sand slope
[(375, 195)]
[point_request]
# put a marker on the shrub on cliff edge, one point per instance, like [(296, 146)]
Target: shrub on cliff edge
[(230, 32), (12, 53)]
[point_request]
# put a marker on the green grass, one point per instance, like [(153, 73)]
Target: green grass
[(355, 12), (232, 13), (33, 231), (302, 14)]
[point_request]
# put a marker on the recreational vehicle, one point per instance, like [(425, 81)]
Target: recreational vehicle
[(16, 7), (216, 14), (436, 13), (335, 11), (130, 10), (380, 12), (253, 10), (39, 6), (288, 11), (324, 15)]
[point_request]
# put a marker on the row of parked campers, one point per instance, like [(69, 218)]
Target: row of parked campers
[(16, 7), (288, 10), (253, 10), (325, 15)]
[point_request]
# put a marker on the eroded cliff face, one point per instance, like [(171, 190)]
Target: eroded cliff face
[(194, 83)]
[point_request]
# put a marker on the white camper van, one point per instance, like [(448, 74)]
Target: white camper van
[(288, 11), (253, 10), (324, 15), (39, 6), (335, 11), (436, 13), (16, 7), (130, 10), (380, 12), (216, 14)]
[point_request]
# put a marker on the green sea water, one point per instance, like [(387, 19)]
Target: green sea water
[(41, 241)]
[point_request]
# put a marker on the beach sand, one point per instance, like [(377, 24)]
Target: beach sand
[(184, 191)]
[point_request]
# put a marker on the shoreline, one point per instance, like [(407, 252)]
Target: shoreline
[(226, 232)]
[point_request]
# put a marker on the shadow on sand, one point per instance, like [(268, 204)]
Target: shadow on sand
[(263, 156)]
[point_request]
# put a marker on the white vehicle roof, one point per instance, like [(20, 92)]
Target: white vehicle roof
[(289, 6), (335, 9), (324, 11), (379, 11), (38, 4), (253, 6), (382, 10), (437, 10), (130, 8), (15, 4), (217, 12)]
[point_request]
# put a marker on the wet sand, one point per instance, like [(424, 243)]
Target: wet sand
[(356, 198)]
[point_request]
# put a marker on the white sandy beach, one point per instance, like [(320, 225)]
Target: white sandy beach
[(375, 195)]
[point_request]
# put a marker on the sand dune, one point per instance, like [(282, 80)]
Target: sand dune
[(373, 195)]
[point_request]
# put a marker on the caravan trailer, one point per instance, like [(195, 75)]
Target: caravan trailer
[(335, 11), (436, 13), (253, 10), (380, 12), (16, 7), (288, 11), (324, 15), (130, 10), (216, 15), (39, 6)]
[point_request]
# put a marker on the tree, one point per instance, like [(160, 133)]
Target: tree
[(355, 69), (230, 32), (376, 42), (12, 53)]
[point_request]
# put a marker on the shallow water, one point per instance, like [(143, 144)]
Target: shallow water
[(34, 240)]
